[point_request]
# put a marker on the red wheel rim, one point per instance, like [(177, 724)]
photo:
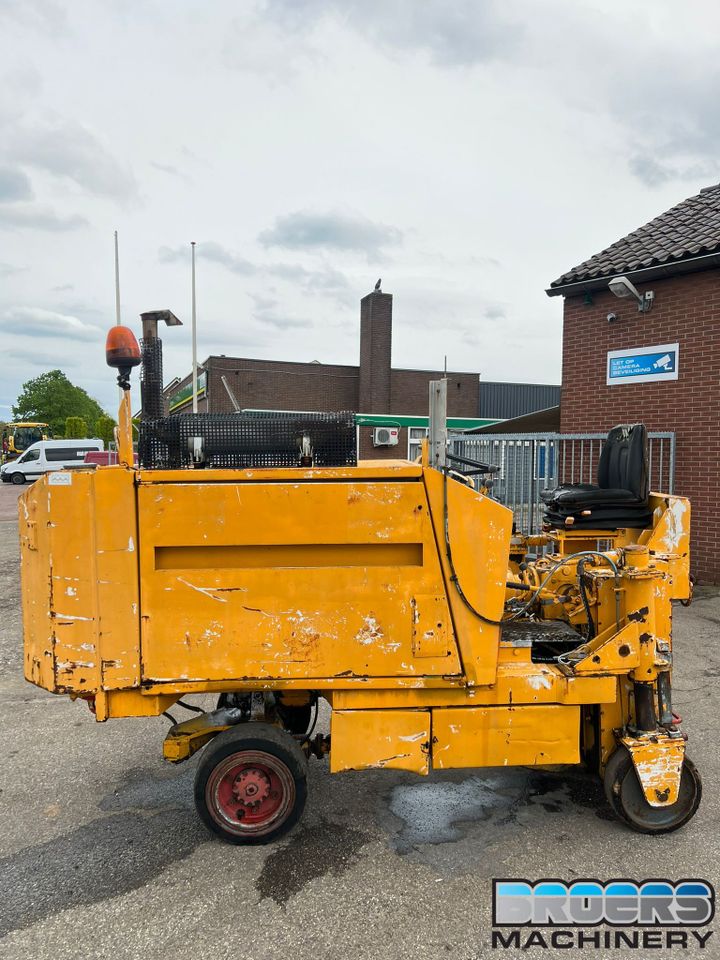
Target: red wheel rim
[(250, 793)]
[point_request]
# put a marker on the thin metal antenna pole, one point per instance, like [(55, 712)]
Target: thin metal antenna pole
[(194, 336), (117, 281), (117, 296)]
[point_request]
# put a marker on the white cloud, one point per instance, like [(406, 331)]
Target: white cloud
[(210, 251), (43, 15), (330, 143), (39, 322), (460, 33), (310, 230), (38, 217), (267, 310), (68, 149), (14, 185)]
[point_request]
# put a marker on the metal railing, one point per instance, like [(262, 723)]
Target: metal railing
[(531, 462)]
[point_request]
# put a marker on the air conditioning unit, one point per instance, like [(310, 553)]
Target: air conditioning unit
[(386, 436)]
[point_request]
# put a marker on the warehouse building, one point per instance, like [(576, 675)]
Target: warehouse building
[(654, 355), (391, 403)]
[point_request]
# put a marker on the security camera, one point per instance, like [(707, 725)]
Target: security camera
[(612, 317)]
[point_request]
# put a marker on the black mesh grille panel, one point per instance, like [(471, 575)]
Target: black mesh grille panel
[(151, 380), (247, 440)]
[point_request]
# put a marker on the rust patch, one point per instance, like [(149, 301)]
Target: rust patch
[(639, 616)]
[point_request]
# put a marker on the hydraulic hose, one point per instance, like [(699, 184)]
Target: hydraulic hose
[(584, 596), (528, 603)]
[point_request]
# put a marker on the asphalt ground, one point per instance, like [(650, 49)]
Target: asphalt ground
[(102, 856)]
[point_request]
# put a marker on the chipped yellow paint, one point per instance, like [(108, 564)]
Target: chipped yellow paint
[(658, 761), (79, 578), (380, 739), (429, 626), (480, 531), (505, 736), (517, 683), (139, 586), (291, 576), (669, 539), (611, 652)]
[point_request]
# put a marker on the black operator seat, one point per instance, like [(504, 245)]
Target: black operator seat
[(620, 497)]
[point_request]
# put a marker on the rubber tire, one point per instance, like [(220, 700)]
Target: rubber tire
[(252, 736), (17, 478), (620, 766)]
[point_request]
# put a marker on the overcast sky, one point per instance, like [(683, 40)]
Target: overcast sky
[(467, 152)]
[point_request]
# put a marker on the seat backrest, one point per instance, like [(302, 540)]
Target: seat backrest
[(624, 460)]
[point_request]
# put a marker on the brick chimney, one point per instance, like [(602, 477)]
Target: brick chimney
[(375, 352)]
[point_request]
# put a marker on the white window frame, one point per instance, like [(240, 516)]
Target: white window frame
[(416, 435)]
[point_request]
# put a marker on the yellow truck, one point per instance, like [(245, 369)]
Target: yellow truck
[(391, 590)]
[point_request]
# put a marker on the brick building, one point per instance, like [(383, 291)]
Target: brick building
[(609, 374), (380, 394)]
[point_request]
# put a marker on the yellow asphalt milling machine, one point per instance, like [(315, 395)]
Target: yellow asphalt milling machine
[(252, 557)]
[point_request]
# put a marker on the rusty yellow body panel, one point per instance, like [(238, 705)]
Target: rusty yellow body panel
[(387, 739), (670, 539), (611, 652), (517, 683), (505, 736), (78, 558), (480, 535), (323, 577), (658, 763), (142, 586), (112, 704), (357, 564)]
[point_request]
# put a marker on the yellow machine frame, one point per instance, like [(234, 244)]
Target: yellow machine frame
[(142, 586)]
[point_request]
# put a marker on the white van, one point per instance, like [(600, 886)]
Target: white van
[(46, 456)]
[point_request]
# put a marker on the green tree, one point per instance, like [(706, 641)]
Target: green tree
[(104, 429), (75, 428), (51, 398)]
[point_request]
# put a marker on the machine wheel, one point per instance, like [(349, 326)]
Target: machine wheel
[(625, 795), (17, 477), (250, 786)]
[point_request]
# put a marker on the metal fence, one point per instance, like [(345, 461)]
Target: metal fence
[(531, 462)]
